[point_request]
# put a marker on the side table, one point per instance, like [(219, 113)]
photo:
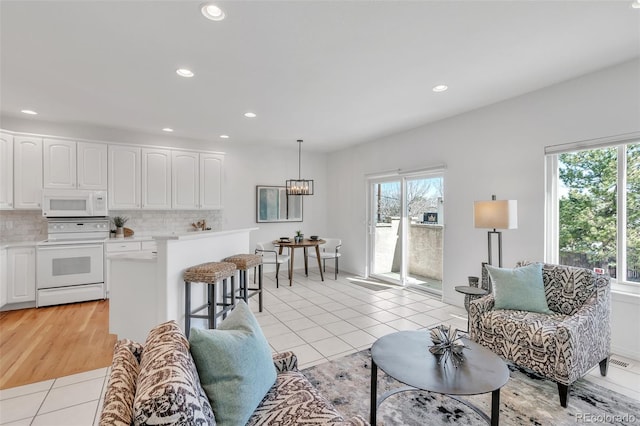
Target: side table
[(470, 293)]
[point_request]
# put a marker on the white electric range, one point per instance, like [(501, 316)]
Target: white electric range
[(70, 262)]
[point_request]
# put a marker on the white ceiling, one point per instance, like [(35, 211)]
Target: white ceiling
[(333, 73)]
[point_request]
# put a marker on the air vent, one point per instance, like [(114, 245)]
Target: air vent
[(619, 363)]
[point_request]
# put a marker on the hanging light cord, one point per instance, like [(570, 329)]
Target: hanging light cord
[(299, 157)]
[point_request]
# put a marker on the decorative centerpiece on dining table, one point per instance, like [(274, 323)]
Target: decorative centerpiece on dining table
[(299, 237), (447, 345)]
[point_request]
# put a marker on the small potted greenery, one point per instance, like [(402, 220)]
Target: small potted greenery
[(119, 222), (299, 236)]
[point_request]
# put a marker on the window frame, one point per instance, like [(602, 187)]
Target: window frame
[(552, 205)]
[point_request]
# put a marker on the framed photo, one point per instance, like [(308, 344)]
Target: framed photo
[(273, 205)]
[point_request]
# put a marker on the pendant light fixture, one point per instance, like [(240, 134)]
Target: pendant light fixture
[(299, 186)]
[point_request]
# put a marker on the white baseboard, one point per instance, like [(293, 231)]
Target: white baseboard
[(625, 352)]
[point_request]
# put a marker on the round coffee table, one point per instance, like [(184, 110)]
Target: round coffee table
[(405, 356)]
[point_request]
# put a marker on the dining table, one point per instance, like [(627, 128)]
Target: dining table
[(305, 243)]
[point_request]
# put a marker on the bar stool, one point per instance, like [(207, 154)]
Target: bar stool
[(209, 273), (244, 262)]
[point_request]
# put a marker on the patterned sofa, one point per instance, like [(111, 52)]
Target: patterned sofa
[(563, 346), (158, 384)]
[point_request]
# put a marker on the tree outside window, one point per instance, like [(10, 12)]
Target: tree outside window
[(423, 195), (588, 212), (633, 212)]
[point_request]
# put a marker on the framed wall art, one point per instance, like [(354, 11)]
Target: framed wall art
[(273, 205)]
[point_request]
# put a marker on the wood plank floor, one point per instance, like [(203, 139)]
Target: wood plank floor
[(45, 343)]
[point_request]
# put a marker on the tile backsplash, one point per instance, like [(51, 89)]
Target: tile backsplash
[(150, 222), (29, 225), (22, 225)]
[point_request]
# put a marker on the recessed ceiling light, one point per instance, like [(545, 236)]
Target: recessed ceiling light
[(28, 111), (183, 72), (211, 11), (250, 115), (440, 88), (224, 136), (167, 129)]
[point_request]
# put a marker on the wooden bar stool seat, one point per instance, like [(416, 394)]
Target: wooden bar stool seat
[(210, 273), (244, 262)]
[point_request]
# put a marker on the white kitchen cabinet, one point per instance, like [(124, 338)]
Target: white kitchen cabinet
[(121, 245), (27, 158), (124, 177), (71, 165), (156, 179), (185, 179), (211, 173), (21, 274), (6, 171), (126, 248), (3, 277), (92, 166), (197, 180), (162, 179), (59, 164)]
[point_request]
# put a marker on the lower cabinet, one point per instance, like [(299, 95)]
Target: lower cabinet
[(119, 248), (21, 274), (3, 277)]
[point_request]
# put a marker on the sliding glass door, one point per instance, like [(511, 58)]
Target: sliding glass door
[(405, 230), (386, 231)]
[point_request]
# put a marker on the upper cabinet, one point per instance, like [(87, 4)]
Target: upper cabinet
[(135, 177), (92, 166), (124, 177), (162, 179), (185, 180), (197, 180), (156, 179), (59, 164), (27, 157), (6, 171), (71, 165), (211, 174)]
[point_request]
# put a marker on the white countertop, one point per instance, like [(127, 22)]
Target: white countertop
[(127, 239), (195, 235), (11, 244), (187, 235)]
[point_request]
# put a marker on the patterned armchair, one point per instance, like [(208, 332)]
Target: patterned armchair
[(563, 346)]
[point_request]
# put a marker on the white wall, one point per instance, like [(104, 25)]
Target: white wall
[(493, 150), (258, 165)]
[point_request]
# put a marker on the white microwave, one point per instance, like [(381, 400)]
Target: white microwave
[(73, 203)]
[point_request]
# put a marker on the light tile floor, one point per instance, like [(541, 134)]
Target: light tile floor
[(318, 321)]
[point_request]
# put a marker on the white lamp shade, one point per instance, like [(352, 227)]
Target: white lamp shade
[(495, 214)]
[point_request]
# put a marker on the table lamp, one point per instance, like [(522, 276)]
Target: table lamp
[(495, 214)]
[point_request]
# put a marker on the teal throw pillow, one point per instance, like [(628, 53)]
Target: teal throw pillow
[(519, 288), (235, 365)]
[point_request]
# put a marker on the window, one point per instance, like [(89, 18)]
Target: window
[(593, 208)]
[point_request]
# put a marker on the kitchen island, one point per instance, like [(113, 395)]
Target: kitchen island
[(146, 290)]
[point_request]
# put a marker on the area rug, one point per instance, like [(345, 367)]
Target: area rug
[(526, 399)]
